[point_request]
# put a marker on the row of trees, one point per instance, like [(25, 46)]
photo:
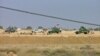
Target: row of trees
[(11, 29), (14, 29), (28, 27)]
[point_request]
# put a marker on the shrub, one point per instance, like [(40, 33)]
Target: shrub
[(29, 27), (1, 27), (11, 29)]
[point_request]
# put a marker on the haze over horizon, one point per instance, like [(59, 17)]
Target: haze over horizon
[(81, 10)]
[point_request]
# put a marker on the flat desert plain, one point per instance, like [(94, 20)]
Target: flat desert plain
[(64, 44)]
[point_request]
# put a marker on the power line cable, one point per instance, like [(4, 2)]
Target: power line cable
[(48, 16)]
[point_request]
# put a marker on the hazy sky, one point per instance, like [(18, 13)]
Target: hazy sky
[(82, 10)]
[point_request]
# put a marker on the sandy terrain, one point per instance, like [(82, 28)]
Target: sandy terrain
[(64, 44)]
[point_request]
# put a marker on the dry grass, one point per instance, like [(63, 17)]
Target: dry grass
[(27, 39), (65, 44), (62, 50)]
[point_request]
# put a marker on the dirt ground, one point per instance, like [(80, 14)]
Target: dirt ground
[(64, 44), (68, 37)]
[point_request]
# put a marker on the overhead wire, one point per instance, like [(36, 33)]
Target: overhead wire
[(54, 17)]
